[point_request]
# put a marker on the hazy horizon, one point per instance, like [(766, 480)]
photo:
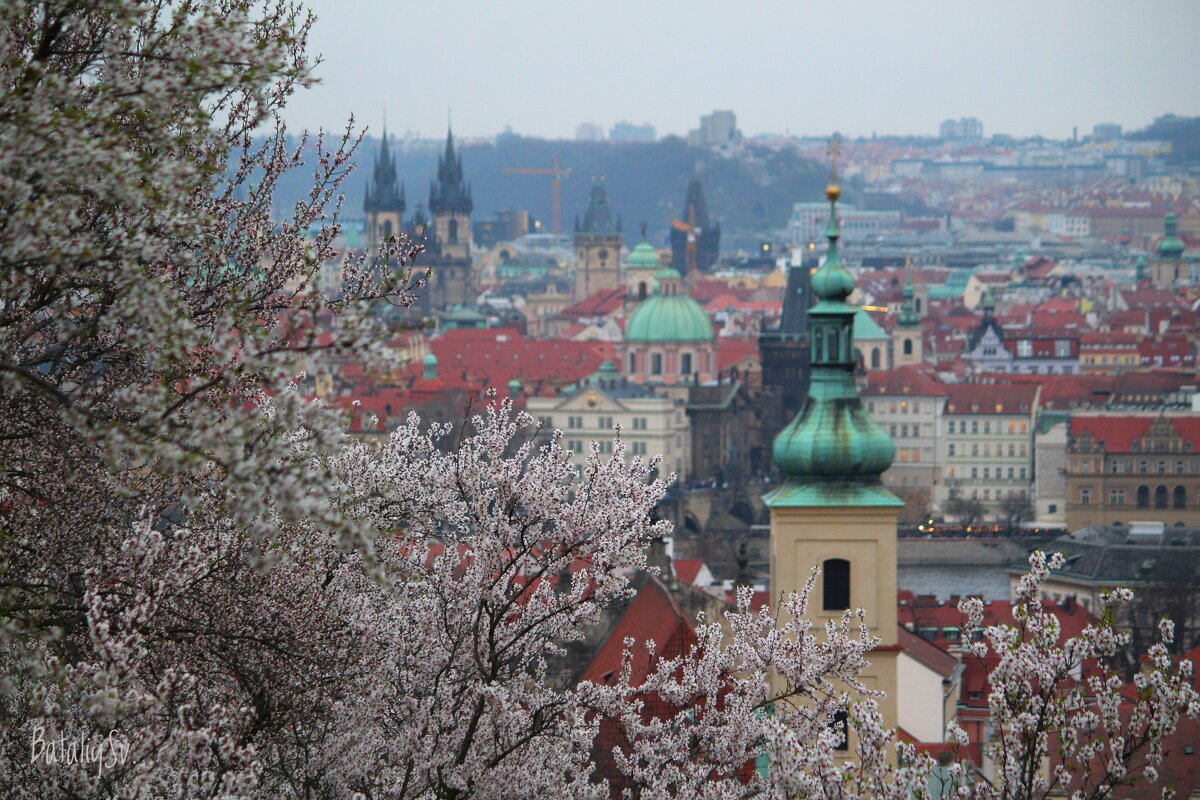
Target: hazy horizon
[(801, 68)]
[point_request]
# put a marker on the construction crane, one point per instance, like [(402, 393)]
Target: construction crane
[(556, 178), (692, 232)]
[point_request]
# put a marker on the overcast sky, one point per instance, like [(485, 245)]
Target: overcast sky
[(856, 66)]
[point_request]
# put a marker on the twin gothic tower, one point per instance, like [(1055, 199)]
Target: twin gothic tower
[(447, 236)]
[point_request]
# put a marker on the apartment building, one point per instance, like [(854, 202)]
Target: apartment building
[(987, 442), (1126, 467), (907, 403)]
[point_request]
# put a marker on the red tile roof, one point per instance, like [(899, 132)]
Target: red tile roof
[(926, 653), (981, 398), (1118, 433), (491, 357), (654, 615), (687, 569), (731, 352), (911, 380), (600, 304)]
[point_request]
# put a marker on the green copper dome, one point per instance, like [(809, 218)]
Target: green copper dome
[(644, 256), (1171, 246), (669, 316), (832, 439)]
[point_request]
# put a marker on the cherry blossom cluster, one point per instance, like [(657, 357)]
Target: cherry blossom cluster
[(197, 559)]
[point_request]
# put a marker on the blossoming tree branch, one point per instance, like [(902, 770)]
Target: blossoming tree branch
[(199, 566)]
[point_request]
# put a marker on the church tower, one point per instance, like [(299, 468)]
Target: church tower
[(384, 202), (597, 248), (832, 511), (695, 239), (908, 338), (448, 235), (450, 204), (641, 272), (1169, 266)]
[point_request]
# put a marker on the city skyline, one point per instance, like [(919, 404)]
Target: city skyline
[(1022, 68)]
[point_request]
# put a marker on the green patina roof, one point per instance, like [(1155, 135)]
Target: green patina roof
[(833, 453), (955, 285), (644, 256), (867, 329), (1171, 246), (833, 436), (669, 318), (811, 494)]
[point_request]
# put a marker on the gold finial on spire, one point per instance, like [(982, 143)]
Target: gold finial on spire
[(832, 190)]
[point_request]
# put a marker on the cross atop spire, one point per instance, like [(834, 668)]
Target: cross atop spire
[(833, 150)]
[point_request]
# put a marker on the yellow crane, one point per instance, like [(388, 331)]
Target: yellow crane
[(556, 178)]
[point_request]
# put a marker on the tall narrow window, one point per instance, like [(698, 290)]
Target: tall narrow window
[(453, 234), (841, 725), (685, 362), (908, 347), (1143, 496), (632, 362), (836, 572), (656, 363), (874, 358)]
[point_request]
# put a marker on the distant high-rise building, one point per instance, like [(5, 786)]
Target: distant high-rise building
[(965, 129), (1106, 132), (626, 131), (589, 132), (717, 129)]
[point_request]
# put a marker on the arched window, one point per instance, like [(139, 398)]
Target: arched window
[(453, 234), (1143, 496), (874, 358), (836, 572), (908, 347), (632, 363), (685, 364), (841, 726), (1180, 498), (917, 304), (656, 363), (1160, 496)]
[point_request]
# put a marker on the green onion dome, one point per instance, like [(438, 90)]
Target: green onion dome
[(833, 438), (1171, 246)]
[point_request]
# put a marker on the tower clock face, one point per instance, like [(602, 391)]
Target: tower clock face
[(603, 255)]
